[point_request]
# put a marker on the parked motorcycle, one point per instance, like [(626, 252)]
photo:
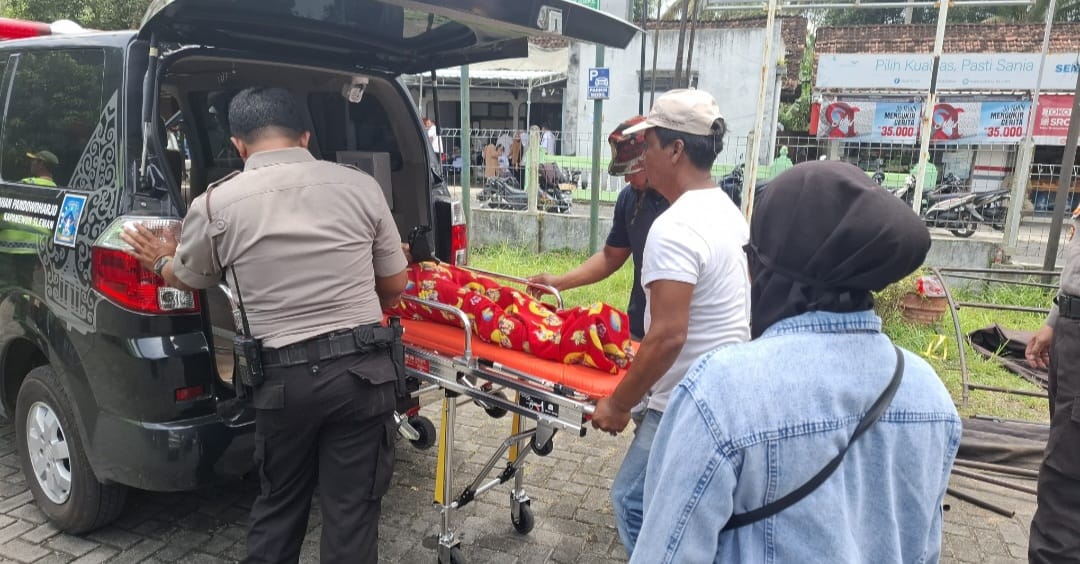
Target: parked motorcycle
[(956, 213), (503, 193), (993, 207), (879, 177), (732, 185)]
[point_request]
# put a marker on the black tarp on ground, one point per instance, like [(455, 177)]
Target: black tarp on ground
[(1008, 443), (1006, 346)]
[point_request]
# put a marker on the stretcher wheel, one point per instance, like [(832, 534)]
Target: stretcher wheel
[(525, 521), (456, 557), (544, 449), (426, 428), (496, 412)]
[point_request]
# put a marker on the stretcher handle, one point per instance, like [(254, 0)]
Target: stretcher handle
[(550, 290), (466, 323)]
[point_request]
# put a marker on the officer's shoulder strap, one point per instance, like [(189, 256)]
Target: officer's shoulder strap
[(352, 167), (210, 190)]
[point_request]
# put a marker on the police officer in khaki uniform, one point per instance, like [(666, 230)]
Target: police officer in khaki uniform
[(1055, 529), (313, 252)]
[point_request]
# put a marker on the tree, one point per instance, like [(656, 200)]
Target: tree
[(93, 14)]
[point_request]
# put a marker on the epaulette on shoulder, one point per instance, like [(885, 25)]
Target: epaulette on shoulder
[(222, 180), (351, 167)]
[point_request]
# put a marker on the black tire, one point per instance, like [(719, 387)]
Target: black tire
[(89, 504), (497, 412), (525, 521), (426, 428), (456, 557), (967, 227), (544, 449)]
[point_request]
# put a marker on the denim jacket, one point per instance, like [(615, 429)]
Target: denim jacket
[(752, 422)]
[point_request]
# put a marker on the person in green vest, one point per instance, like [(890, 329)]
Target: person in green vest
[(42, 164), (782, 162)]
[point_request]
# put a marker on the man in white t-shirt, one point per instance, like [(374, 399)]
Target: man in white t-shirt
[(695, 280), (547, 141)]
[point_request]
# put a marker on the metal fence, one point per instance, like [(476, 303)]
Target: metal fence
[(978, 169)]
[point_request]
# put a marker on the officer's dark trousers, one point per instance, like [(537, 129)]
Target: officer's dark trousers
[(331, 424), (1055, 530)]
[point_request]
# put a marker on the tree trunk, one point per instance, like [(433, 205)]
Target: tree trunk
[(690, 48), (682, 37)]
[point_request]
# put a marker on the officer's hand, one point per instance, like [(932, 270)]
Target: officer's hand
[(545, 279), (1038, 349), (405, 249), (609, 417), (147, 247)]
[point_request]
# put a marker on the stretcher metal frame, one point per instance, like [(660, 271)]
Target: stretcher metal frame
[(550, 405)]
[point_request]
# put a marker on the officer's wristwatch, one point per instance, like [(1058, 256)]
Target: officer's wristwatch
[(159, 264)]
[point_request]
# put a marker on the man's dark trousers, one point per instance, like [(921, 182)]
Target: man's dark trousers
[(1055, 529), (329, 423)]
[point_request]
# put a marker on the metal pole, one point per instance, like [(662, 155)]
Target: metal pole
[(532, 169), (994, 481), (1022, 170), (750, 174), (928, 110), (655, 51), (466, 144), (597, 126), (979, 502), (1065, 184)]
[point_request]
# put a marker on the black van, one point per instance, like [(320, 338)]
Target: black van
[(114, 380)]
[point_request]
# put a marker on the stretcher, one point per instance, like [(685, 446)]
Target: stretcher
[(543, 397)]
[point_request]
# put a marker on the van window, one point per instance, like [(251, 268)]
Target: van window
[(367, 126), (55, 105)]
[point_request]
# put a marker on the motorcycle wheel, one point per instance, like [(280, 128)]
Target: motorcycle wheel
[(966, 227)]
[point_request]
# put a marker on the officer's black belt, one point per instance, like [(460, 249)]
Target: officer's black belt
[(1068, 306), (363, 339)]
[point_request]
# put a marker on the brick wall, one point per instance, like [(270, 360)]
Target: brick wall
[(959, 38)]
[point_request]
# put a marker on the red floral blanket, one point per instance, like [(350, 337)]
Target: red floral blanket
[(597, 336)]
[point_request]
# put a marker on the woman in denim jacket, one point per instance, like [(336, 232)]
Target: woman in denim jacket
[(753, 422)]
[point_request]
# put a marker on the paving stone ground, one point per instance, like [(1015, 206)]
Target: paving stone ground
[(569, 489)]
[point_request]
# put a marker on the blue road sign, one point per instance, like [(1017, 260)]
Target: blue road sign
[(599, 83)]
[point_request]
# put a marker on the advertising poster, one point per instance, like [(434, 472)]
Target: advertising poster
[(896, 122), (1052, 119), (1003, 122), (850, 120), (980, 123)]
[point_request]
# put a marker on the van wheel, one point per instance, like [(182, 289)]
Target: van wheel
[(54, 460)]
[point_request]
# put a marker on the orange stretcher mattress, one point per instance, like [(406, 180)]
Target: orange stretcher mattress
[(449, 340)]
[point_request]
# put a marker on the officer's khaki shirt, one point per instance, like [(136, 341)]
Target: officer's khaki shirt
[(1070, 272), (306, 238)]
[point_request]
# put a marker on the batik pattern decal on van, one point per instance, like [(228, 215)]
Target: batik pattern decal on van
[(68, 285)]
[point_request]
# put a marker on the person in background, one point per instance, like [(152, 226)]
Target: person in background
[(42, 165), (504, 162), (635, 210), (491, 159), (782, 162), (754, 422), (694, 275), (547, 140), (433, 138), (1055, 529), (517, 159)]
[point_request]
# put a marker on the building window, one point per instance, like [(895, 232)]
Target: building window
[(55, 104), (665, 80)]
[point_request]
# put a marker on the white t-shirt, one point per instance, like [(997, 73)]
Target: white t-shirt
[(547, 141), (434, 139), (699, 240)]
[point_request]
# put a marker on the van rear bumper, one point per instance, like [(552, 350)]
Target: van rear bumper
[(172, 456)]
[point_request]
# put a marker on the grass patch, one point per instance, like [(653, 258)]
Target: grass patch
[(615, 291)]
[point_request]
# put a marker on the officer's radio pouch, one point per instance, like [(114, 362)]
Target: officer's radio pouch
[(397, 356), (247, 350)]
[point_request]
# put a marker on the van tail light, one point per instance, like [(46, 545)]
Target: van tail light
[(459, 235), (123, 281), (18, 29)]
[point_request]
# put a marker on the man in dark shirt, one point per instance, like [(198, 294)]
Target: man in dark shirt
[(635, 210)]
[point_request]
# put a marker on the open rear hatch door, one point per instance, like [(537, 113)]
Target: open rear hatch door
[(397, 36)]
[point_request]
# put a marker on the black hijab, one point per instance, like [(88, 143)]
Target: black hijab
[(823, 236)]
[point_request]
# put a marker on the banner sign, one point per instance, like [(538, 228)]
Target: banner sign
[(871, 121), (980, 123), (1052, 120), (966, 72)]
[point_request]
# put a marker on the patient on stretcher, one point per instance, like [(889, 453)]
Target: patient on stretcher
[(597, 336)]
